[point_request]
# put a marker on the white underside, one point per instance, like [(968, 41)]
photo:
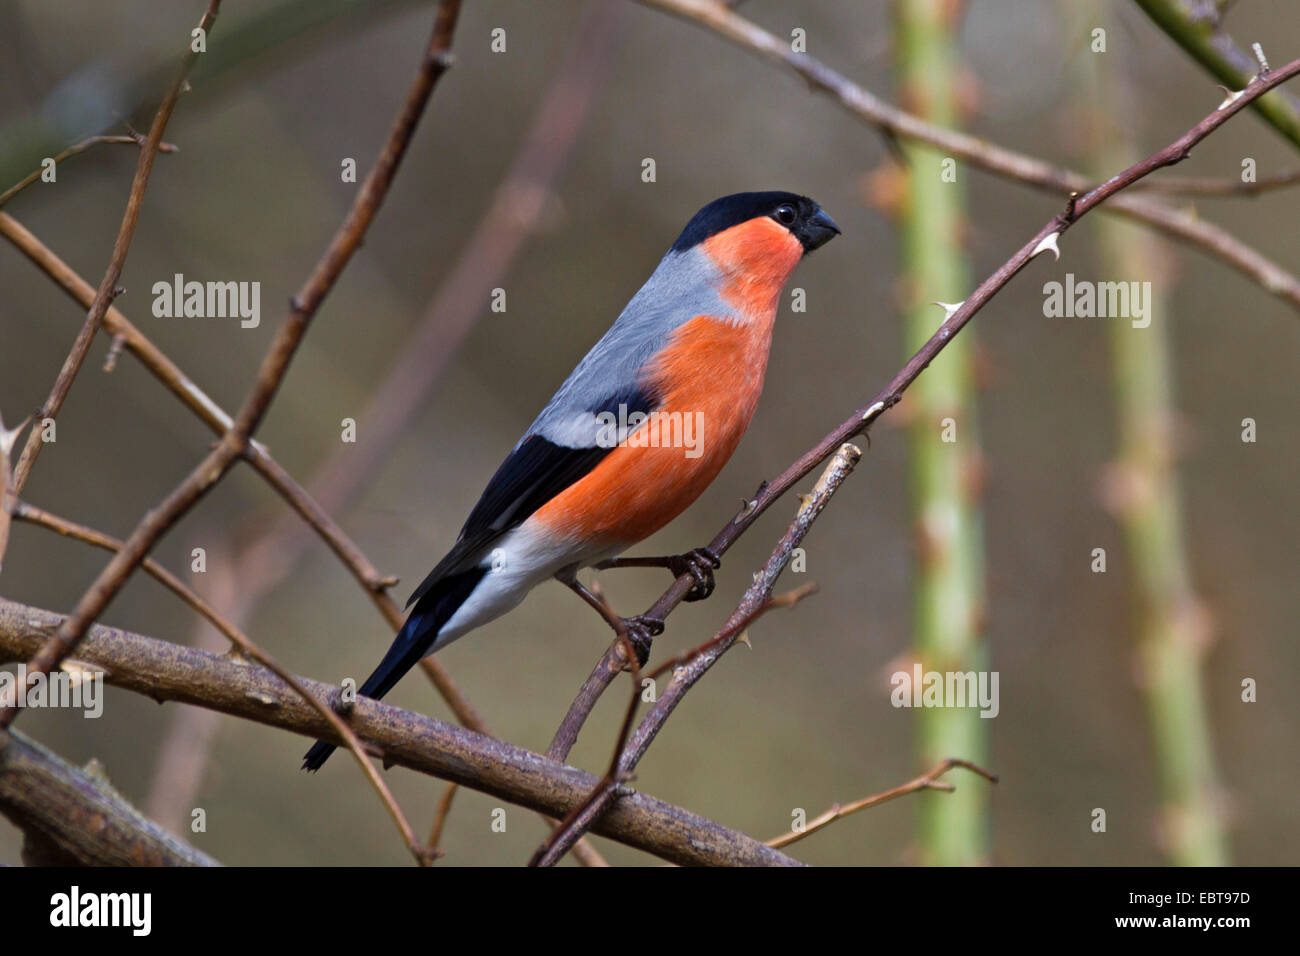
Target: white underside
[(521, 560)]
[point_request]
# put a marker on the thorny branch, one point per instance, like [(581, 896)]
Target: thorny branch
[(237, 442), (1017, 167), (1197, 26), (861, 103), (690, 667), (274, 365), (956, 317)]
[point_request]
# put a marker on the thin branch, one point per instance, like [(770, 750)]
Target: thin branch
[(74, 150), (570, 830), (266, 559), (863, 104), (1046, 239), (440, 815), (495, 242), (31, 514), (211, 414), (45, 519), (927, 781), (1199, 31), (108, 285), (73, 817), (689, 667), (274, 365), (165, 671)]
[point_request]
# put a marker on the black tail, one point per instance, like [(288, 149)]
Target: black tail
[(434, 608)]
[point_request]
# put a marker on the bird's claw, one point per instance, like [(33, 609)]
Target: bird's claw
[(641, 632), (700, 565)]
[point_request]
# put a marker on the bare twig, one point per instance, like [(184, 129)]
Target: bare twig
[(570, 829), (165, 671), (45, 519), (689, 667), (76, 149), (217, 419), (440, 815), (1046, 239), (1009, 164), (1198, 28), (268, 559), (31, 514), (108, 285), (274, 365), (211, 414), (927, 781)]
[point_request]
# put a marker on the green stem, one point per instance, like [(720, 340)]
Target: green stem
[(1206, 42), (949, 587), (1146, 496)]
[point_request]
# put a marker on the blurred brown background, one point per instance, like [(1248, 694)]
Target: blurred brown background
[(802, 720)]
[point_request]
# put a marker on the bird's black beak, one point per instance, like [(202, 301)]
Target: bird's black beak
[(818, 229)]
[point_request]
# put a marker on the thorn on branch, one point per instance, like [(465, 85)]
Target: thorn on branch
[(9, 437), (1231, 96), (1048, 243), (877, 409), (949, 308)]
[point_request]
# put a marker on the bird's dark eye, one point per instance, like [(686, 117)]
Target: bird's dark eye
[(786, 215)]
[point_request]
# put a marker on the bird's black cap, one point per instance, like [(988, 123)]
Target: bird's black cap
[(801, 215)]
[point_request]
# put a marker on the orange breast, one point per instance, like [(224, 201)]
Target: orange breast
[(709, 376), (756, 257)]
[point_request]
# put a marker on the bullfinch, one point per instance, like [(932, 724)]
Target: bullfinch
[(634, 435)]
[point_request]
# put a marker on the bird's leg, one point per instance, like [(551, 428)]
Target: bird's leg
[(699, 564), (640, 630)]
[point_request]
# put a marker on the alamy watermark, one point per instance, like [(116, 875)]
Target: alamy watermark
[(946, 689), (683, 430), (1084, 299), (208, 300), (79, 689)]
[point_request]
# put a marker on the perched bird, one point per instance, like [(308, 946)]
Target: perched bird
[(634, 435)]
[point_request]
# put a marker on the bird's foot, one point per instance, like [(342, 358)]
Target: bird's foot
[(641, 632), (700, 565)]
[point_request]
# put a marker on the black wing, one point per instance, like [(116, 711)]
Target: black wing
[(534, 473)]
